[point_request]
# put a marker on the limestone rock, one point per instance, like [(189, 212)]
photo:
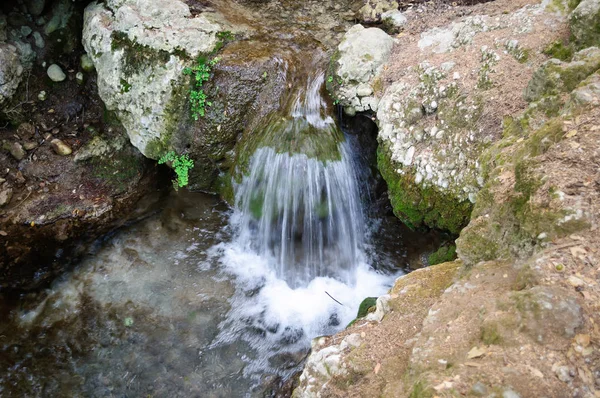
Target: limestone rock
[(11, 71), (56, 74), (116, 32), (362, 54), (584, 21), (373, 10)]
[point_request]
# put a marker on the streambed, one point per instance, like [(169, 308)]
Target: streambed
[(173, 306)]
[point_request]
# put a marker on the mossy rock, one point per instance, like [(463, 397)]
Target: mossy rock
[(555, 77), (585, 23), (417, 205), (442, 255)]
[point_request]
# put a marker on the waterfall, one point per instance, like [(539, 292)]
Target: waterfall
[(299, 204)]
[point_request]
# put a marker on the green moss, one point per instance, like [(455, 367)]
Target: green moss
[(559, 50), (116, 171), (442, 255), (365, 306), (137, 56), (420, 390), (418, 206), (490, 333)]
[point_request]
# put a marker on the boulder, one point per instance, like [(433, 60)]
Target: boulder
[(585, 23), (11, 71), (356, 66)]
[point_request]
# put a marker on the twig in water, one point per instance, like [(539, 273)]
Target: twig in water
[(334, 299)]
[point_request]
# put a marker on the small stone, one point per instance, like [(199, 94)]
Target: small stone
[(364, 90), (42, 95), (479, 389), (29, 145), (25, 31), (510, 394), (86, 63), (583, 340), (60, 147), (456, 76), (5, 196), (563, 373), (39, 40), (476, 352), (542, 236), (575, 281), (56, 74), (79, 78), (17, 151), (3, 233), (55, 131)]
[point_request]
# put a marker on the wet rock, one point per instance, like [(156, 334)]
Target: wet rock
[(56, 74), (60, 148), (11, 71), (584, 23), (17, 151), (5, 196)]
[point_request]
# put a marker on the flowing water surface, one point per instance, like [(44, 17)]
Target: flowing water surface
[(202, 300)]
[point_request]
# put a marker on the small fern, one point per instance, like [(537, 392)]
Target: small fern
[(182, 164), (201, 74)]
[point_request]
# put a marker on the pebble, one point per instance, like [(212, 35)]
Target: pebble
[(17, 151), (30, 145), (79, 77), (510, 394), (563, 373), (575, 281), (60, 147), (5, 196), (56, 74), (479, 389), (42, 96), (39, 40)]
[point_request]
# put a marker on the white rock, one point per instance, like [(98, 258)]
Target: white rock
[(11, 71)]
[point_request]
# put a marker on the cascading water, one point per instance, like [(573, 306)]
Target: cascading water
[(303, 214)]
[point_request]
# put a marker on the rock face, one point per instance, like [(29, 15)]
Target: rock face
[(445, 104), (11, 71), (139, 50)]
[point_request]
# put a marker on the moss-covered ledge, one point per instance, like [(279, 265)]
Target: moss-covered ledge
[(418, 205)]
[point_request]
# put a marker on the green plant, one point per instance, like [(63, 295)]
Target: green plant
[(181, 164), (201, 74)]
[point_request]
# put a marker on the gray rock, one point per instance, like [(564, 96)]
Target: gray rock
[(17, 151), (29, 145), (36, 7), (479, 389), (39, 40), (25, 30), (26, 53), (5, 196), (11, 71), (56, 74), (60, 148), (373, 10), (510, 394), (584, 21), (564, 373), (394, 18), (61, 13), (3, 24)]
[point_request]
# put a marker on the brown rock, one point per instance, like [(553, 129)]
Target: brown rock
[(60, 147)]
